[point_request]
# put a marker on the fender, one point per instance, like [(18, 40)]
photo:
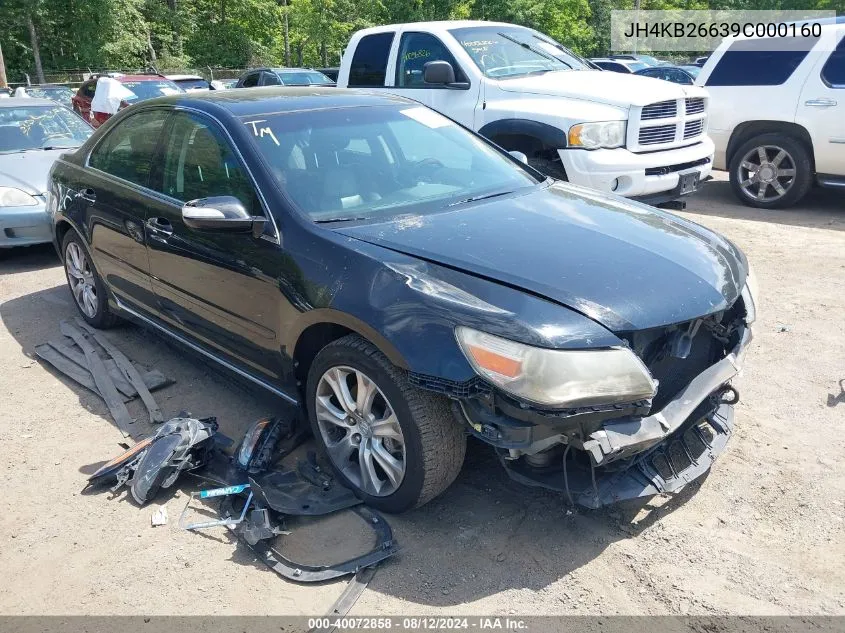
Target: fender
[(549, 135)]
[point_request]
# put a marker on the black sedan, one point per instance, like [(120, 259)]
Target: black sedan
[(407, 283)]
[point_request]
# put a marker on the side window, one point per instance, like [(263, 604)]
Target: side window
[(742, 65), (833, 71), (270, 79), (199, 162), (369, 63), (250, 80), (88, 89), (129, 148), (415, 51)]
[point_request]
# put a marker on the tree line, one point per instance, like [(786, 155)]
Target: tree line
[(41, 36)]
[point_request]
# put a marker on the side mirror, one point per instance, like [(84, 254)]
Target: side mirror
[(220, 213), (522, 158), (441, 73)]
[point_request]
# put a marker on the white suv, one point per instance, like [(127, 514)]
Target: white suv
[(777, 118)]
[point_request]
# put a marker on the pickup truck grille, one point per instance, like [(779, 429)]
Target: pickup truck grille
[(667, 124), (656, 135), (660, 110)]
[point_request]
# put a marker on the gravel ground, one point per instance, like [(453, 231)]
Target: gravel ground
[(762, 534)]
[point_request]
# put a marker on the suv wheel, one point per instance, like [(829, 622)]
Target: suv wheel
[(771, 171), (88, 290), (397, 446)]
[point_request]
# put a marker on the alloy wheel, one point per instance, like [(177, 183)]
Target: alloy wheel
[(81, 279), (766, 173), (360, 430)]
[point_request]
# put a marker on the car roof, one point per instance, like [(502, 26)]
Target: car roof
[(273, 99), (436, 25), (183, 77), (13, 102), (122, 78)]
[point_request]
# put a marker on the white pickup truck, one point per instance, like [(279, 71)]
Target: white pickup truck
[(634, 136)]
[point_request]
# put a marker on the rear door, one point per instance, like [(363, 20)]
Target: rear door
[(821, 110), (116, 188), (211, 286), (415, 50)]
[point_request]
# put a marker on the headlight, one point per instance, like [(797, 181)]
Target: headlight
[(750, 294), (11, 197), (571, 378), (607, 134)]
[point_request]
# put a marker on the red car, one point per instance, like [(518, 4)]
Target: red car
[(144, 87)]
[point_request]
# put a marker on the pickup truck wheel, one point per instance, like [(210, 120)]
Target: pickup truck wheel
[(395, 445), (88, 290), (549, 167), (771, 171)]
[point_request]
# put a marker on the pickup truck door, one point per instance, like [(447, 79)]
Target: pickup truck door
[(821, 110), (414, 51)]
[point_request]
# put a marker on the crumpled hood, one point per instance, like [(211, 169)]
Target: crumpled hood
[(601, 86), (28, 171), (623, 264)]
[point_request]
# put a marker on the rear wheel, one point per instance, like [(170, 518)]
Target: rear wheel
[(771, 171), (397, 446), (88, 290)]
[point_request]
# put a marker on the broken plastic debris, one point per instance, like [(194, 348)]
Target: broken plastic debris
[(159, 517)]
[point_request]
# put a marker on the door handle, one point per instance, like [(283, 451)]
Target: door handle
[(160, 226), (820, 103), (87, 194)]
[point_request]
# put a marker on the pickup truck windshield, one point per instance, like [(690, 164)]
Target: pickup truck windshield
[(366, 163), (501, 52)]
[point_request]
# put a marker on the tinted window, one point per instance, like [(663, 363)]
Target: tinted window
[(742, 65), (369, 62), (87, 90), (833, 72), (129, 148), (199, 162), (415, 51), (250, 80), (305, 78), (151, 89), (192, 84), (269, 79)]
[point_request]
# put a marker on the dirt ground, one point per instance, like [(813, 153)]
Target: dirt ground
[(762, 534)]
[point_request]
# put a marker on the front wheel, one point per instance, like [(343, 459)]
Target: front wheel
[(771, 171), (397, 446)]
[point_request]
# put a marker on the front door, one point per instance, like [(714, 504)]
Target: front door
[(821, 110), (415, 51), (212, 285), (116, 189)]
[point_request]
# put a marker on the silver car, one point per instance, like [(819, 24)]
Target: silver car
[(33, 133)]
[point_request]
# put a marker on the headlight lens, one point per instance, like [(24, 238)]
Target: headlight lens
[(11, 197), (571, 378), (750, 295), (607, 134)]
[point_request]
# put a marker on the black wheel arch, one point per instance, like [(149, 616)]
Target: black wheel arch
[(749, 129)]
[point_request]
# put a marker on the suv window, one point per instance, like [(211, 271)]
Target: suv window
[(270, 79), (250, 80), (129, 148), (199, 162), (744, 64), (833, 71), (415, 51), (87, 90), (369, 63)]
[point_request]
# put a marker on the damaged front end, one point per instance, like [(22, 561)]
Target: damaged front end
[(600, 454)]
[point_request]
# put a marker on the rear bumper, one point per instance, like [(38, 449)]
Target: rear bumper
[(24, 226), (635, 175)]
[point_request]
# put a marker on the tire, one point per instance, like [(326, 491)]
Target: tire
[(553, 168), (746, 183), (434, 443), (102, 317)]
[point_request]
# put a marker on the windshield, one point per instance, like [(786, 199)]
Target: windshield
[(150, 89), (304, 78), (26, 128), (192, 84), (692, 70), (56, 93), (635, 66), (373, 162), (502, 52)]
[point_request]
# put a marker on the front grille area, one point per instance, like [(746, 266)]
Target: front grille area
[(660, 110), (694, 105), (657, 135), (693, 128)]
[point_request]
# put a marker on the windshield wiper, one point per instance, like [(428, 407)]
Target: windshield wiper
[(338, 220), (536, 51), (483, 197)]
